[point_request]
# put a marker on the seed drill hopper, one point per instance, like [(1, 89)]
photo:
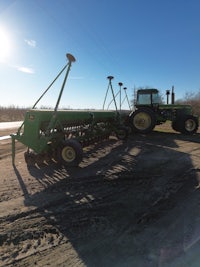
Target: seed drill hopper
[(60, 135)]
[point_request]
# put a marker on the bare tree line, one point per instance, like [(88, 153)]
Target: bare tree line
[(12, 113), (193, 99)]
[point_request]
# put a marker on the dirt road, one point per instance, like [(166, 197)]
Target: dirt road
[(132, 203)]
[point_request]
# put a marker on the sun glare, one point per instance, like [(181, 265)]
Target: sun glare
[(5, 44)]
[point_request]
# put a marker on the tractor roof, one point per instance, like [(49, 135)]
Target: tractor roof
[(148, 91)]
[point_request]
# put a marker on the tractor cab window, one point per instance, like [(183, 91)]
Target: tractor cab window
[(148, 97), (155, 98), (144, 99)]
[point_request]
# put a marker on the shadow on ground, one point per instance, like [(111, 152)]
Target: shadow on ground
[(132, 203)]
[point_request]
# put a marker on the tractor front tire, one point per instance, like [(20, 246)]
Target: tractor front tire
[(143, 120), (70, 153)]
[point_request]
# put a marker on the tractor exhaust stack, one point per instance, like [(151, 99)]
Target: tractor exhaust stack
[(173, 95)]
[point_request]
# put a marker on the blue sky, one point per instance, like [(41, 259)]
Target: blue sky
[(154, 43)]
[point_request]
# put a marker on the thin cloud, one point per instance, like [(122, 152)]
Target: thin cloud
[(31, 42), (25, 69), (22, 68)]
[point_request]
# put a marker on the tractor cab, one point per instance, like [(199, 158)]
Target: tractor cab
[(148, 97)]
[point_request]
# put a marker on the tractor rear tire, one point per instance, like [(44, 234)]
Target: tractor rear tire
[(189, 124), (70, 153), (143, 120)]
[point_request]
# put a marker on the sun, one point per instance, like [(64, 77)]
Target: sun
[(5, 44)]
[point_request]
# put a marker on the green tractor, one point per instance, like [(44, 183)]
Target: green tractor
[(150, 112)]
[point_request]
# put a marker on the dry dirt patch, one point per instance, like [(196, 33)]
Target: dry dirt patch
[(132, 203)]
